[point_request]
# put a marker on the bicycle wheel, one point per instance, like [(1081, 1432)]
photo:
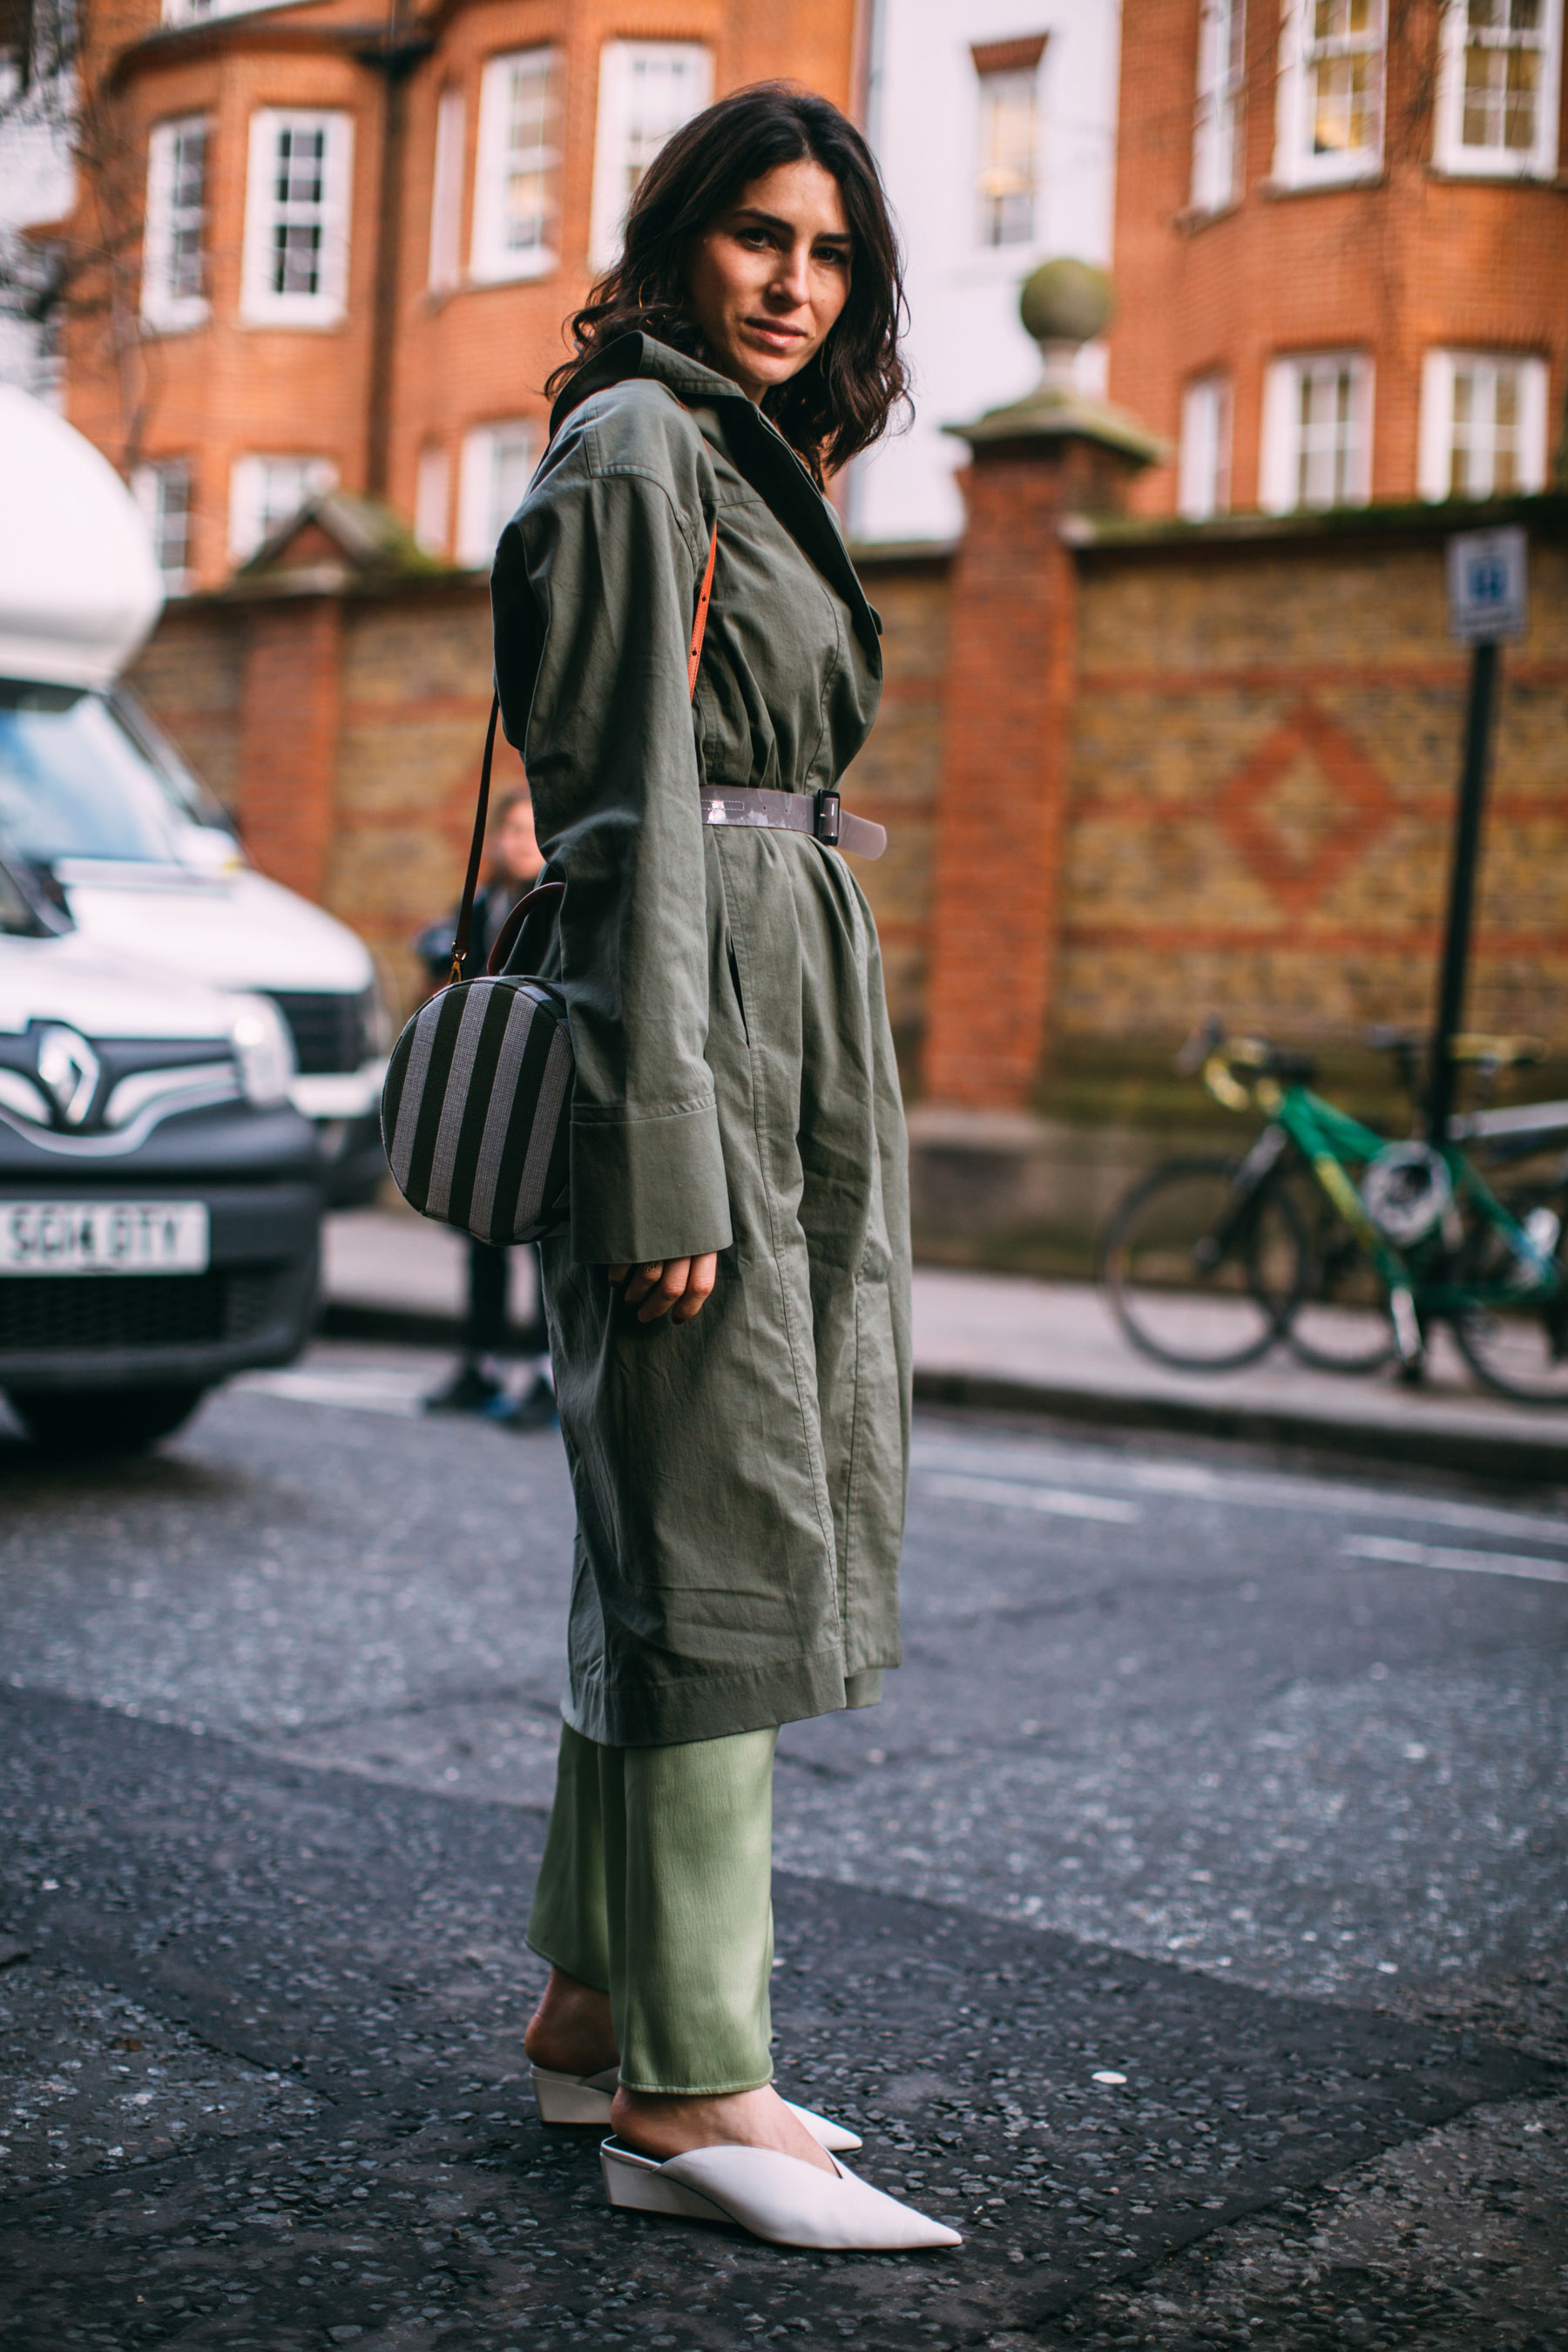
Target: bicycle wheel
[(1341, 1321), (1518, 1349), (1198, 1277)]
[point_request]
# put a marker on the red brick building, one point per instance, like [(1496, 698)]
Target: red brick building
[(1342, 248), (342, 250)]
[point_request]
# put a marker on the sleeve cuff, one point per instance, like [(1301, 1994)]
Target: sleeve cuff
[(648, 1190)]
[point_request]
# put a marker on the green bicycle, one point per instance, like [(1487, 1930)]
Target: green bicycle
[(1344, 1244)]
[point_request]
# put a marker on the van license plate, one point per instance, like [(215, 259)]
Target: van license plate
[(103, 1237)]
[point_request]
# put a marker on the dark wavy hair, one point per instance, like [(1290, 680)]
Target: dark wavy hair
[(847, 394)]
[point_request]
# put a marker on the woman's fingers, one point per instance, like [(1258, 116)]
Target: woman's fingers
[(664, 1284), (677, 1287), (699, 1281)]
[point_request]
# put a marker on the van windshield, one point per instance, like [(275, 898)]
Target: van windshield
[(83, 775)]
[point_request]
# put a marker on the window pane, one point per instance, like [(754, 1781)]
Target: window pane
[(511, 454), (1504, 50), (187, 210), (1328, 458), (1523, 99), (1005, 179), (1216, 121), (299, 223), (664, 85), (1342, 93), (532, 159)]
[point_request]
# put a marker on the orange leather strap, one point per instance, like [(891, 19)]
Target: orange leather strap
[(476, 848), (699, 627)]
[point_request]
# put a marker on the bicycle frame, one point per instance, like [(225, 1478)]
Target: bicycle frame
[(1327, 1139)]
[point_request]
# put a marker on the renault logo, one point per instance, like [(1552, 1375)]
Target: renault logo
[(69, 1068)]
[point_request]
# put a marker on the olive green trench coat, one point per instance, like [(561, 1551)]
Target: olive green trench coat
[(739, 1479)]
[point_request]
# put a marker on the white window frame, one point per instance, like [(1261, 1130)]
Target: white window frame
[(1295, 164), (433, 499), (161, 305), (255, 509), (624, 140), (491, 260), (1202, 469), (1449, 152), (1218, 119), (150, 487), (485, 500), (260, 305), (1280, 466), (445, 270), (1436, 460)]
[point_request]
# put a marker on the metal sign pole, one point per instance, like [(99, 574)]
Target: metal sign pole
[(1462, 888), (1486, 604)]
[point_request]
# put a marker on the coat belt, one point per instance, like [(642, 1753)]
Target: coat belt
[(816, 813)]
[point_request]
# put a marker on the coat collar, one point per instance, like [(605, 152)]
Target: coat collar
[(758, 449)]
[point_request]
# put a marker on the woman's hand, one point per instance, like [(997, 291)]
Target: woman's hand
[(678, 1287)]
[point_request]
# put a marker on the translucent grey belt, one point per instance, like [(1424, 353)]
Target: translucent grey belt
[(816, 813)]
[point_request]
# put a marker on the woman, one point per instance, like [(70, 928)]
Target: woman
[(730, 1312)]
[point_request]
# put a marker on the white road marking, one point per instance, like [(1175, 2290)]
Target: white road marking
[(361, 1391), (1393, 1548), (1008, 1495), (1253, 1490)]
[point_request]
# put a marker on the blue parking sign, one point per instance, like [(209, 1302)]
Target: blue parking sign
[(1487, 572)]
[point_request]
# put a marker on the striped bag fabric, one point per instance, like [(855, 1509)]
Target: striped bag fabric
[(474, 1111), (476, 1107)]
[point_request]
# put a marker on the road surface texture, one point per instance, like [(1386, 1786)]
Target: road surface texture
[(1187, 1926)]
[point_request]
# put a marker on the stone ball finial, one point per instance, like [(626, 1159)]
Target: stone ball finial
[(1066, 301)]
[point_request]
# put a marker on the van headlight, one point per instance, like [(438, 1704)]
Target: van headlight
[(263, 1051)]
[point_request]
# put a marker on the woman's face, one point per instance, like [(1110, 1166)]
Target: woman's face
[(768, 279)]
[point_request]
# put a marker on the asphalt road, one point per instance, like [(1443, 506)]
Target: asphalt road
[(1187, 1926)]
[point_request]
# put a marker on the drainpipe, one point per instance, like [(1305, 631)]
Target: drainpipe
[(395, 58)]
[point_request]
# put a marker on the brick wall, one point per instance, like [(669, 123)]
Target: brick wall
[(1264, 745)]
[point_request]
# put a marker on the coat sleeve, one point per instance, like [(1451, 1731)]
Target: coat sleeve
[(593, 591)]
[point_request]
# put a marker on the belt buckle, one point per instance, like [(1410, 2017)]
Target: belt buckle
[(825, 821)]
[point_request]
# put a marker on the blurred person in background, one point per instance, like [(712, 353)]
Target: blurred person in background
[(478, 1383)]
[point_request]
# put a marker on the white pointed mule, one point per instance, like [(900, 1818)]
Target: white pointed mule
[(775, 2196), (586, 2099)]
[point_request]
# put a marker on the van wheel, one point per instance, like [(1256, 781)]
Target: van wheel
[(104, 1421)]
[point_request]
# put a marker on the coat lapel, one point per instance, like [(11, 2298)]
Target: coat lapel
[(760, 451)]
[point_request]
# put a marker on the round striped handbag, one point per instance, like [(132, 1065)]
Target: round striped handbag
[(476, 1110), (476, 1106)]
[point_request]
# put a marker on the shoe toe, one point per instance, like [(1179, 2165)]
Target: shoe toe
[(792, 2203)]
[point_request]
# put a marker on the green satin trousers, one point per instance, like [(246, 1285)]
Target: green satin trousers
[(655, 1887)]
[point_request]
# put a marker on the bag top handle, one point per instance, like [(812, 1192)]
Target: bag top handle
[(481, 814)]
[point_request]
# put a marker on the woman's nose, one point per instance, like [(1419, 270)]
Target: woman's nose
[(792, 280)]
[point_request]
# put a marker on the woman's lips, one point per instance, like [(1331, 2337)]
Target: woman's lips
[(767, 330)]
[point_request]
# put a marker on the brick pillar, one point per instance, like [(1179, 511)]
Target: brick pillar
[(288, 754), (1011, 672), (1011, 669)]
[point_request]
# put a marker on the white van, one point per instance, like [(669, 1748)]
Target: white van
[(101, 809)]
